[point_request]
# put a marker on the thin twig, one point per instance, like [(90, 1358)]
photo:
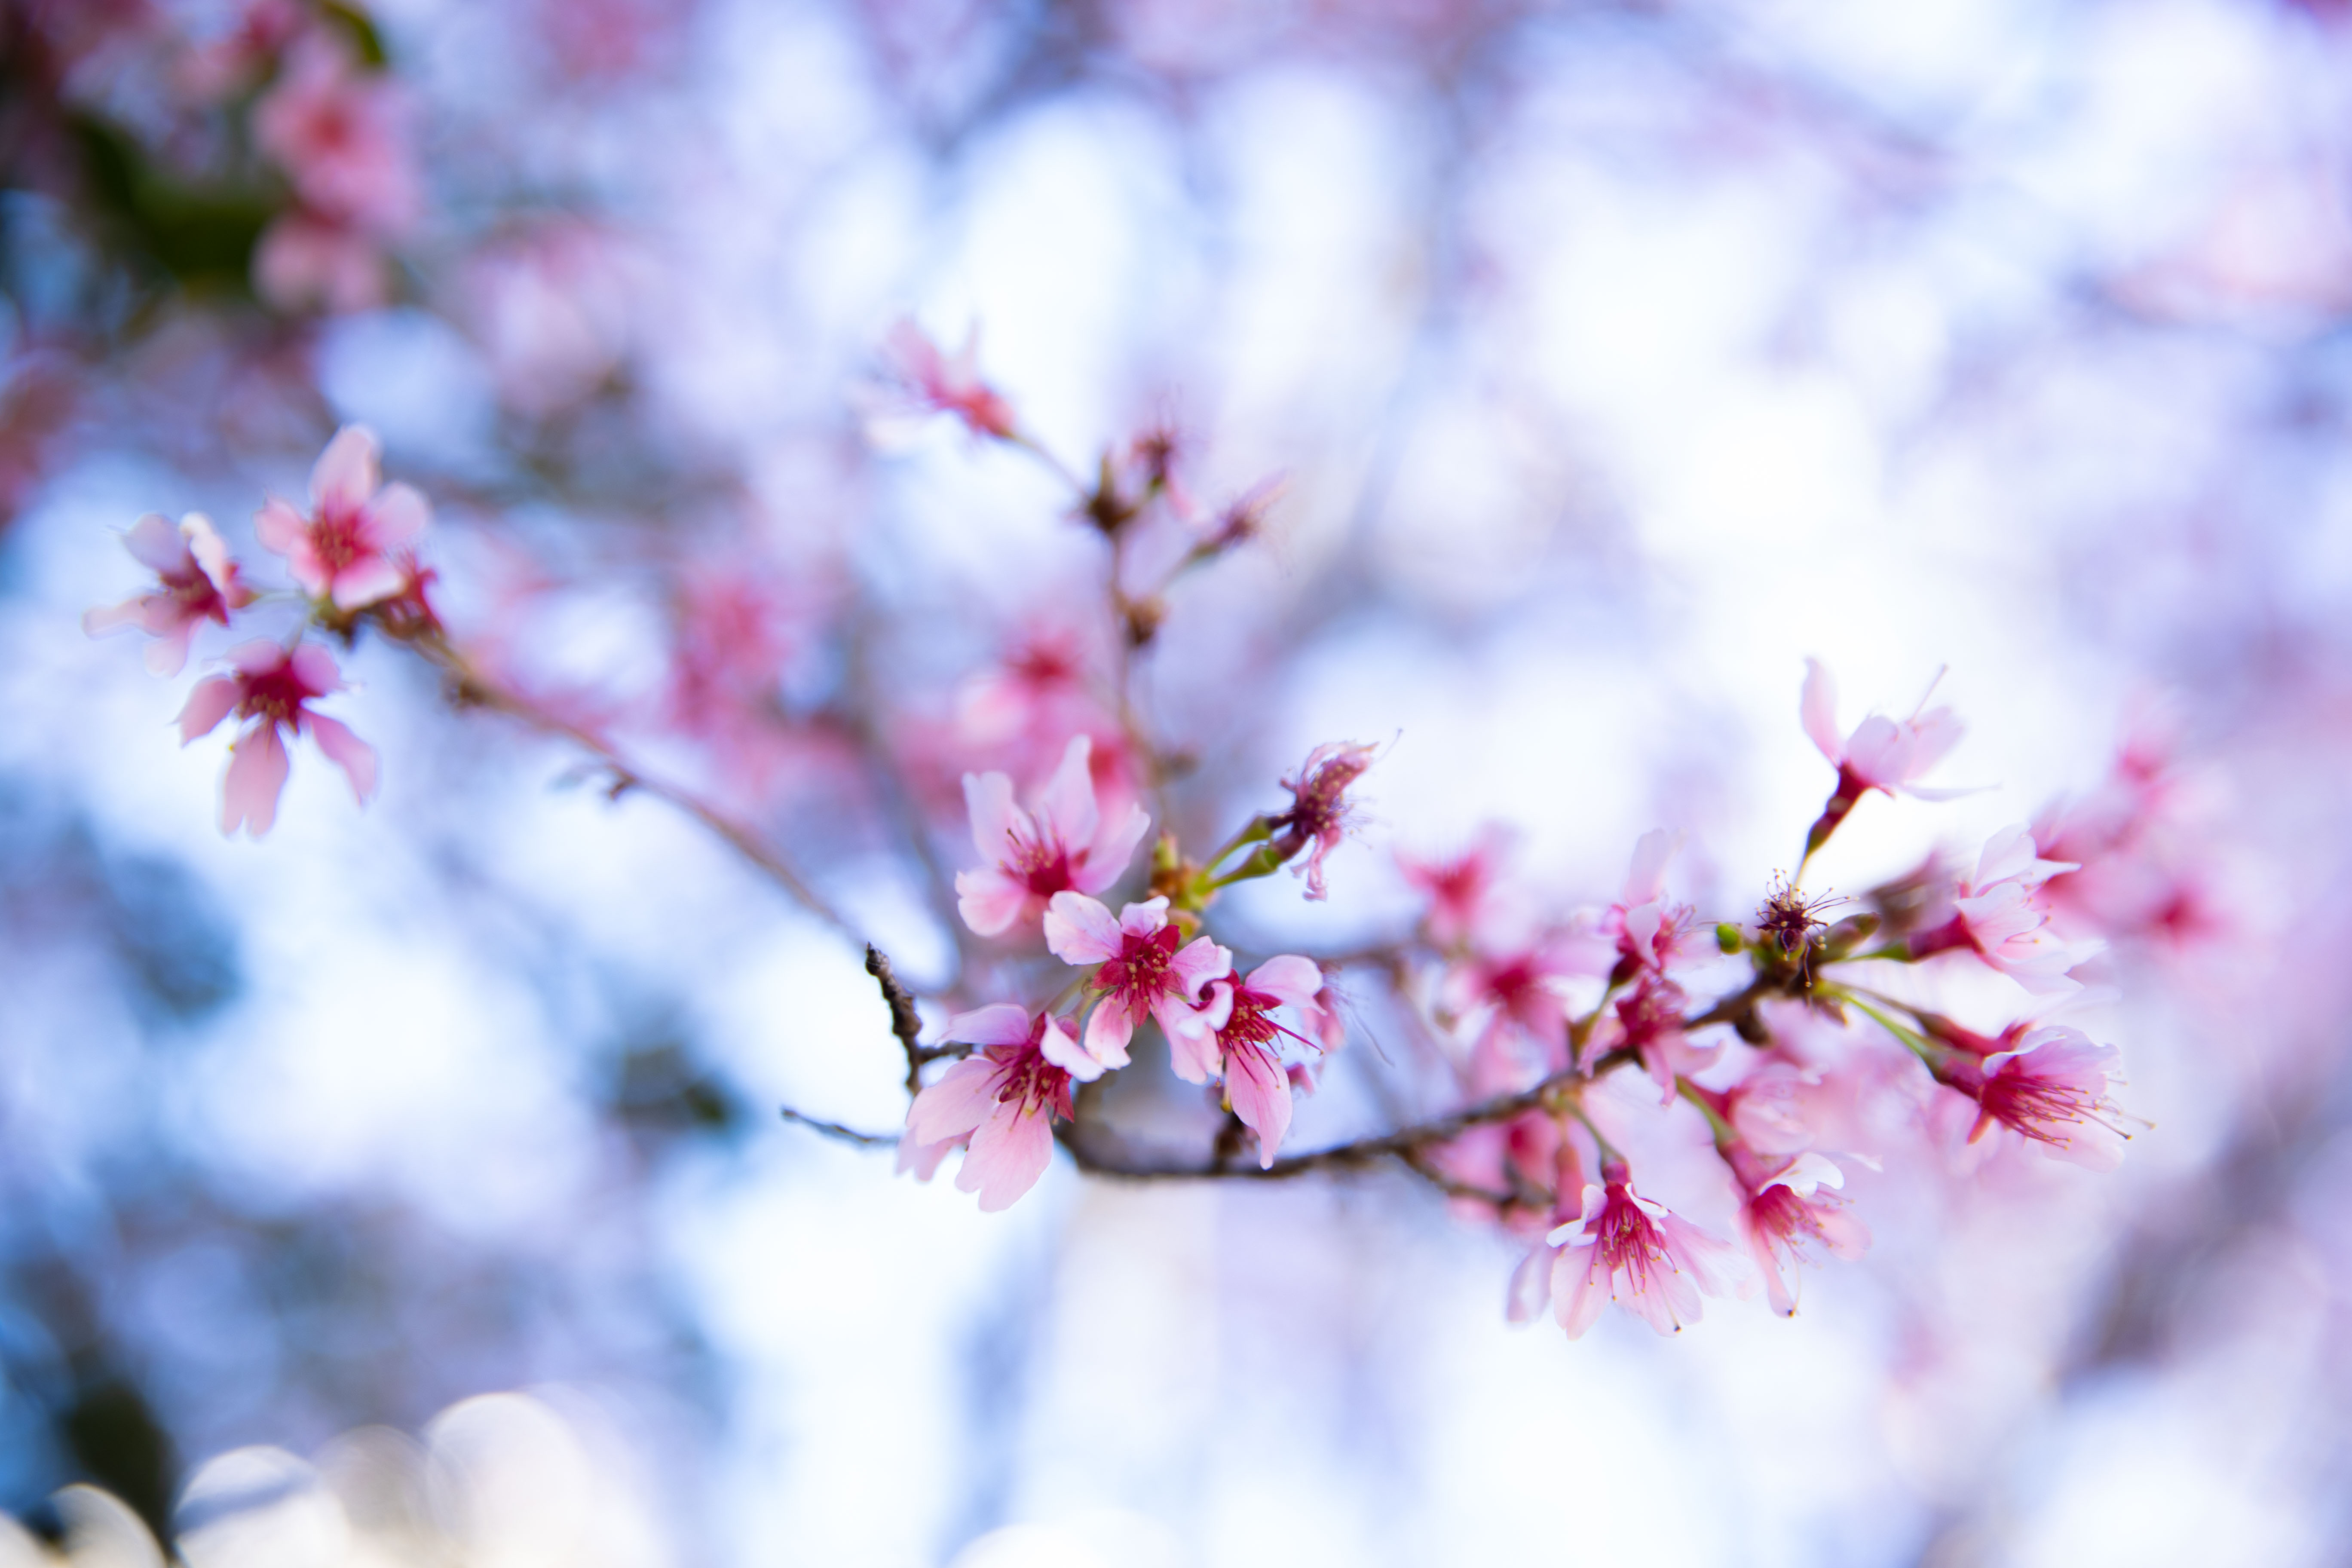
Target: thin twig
[(837, 1131)]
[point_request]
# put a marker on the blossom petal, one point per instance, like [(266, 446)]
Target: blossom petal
[(1260, 1092), (345, 474), (278, 526), (1294, 981), (989, 901), (998, 1024), (1645, 880), (1107, 857), (1818, 707), (156, 544), (1009, 1152), (954, 1103), (1197, 962), (398, 515), (1066, 812), (257, 776), (208, 704), (367, 581), (1079, 929), (994, 818), (347, 752), (1056, 1047), (1108, 1029)]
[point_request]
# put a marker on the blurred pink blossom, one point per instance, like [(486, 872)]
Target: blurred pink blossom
[(1062, 844), (352, 549), (200, 584), (273, 687)]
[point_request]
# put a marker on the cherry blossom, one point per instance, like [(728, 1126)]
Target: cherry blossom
[(1144, 973), (352, 549), (1652, 933), (1785, 1210), (2000, 917), (1319, 811), (1233, 1035), (1461, 889), (273, 687), (1649, 1022), (1062, 844), (933, 382), (998, 1105), (1624, 1247), (1882, 753), (200, 584), (338, 134), (2053, 1089)]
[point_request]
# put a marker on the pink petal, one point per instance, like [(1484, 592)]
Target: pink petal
[(1079, 929), (1260, 1092), (212, 557), (1108, 1029), (208, 704), (1066, 811), (156, 544), (1531, 1287), (314, 667), (278, 526), (1192, 1052), (989, 901), (923, 1159), (1107, 857), (168, 654), (1056, 1047), (1878, 752), (1578, 1292), (954, 1105), (366, 581), (1934, 733), (1197, 962), (347, 752), (998, 1024), (1294, 980), (1009, 1152), (1144, 918), (396, 516), (106, 618), (256, 775), (345, 475), (256, 658), (1819, 709), (994, 818), (1645, 881)]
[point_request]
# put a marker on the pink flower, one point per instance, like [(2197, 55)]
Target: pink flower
[(999, 1105), (1143, 973), (1652, 933), (352, 548), (1626, 1249), (307, 262), (1063, 846), (1233, 1035), (272, 686), (200, 584), (2000, 916), (1881, 754), (337, 136), (1648, 1023), (1319, 810), (1521, 992), (1785, 1210), (1461, 889), (2053, 1090), (936, 382)]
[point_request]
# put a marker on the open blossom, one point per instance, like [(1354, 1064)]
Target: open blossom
[(1320, 808), (2053, 1089), (337, 132), (1461, 889), (1999, 915), (352, 548), (1648, 1021), (1522, 993), (272, 687), (997, 1105), (1233, 1035), (943, 383), (1882, 753), (1785, 1211), (1626, 1249), (199, 583), (1144, 973), (1062, 845), (1652, 933)]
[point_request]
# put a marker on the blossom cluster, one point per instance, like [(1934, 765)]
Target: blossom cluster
[(1578, 1042)]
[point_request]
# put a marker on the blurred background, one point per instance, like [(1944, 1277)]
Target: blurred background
[(411, 1183)]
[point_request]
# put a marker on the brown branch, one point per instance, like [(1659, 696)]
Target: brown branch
[(473, 689), (834, 1129)]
